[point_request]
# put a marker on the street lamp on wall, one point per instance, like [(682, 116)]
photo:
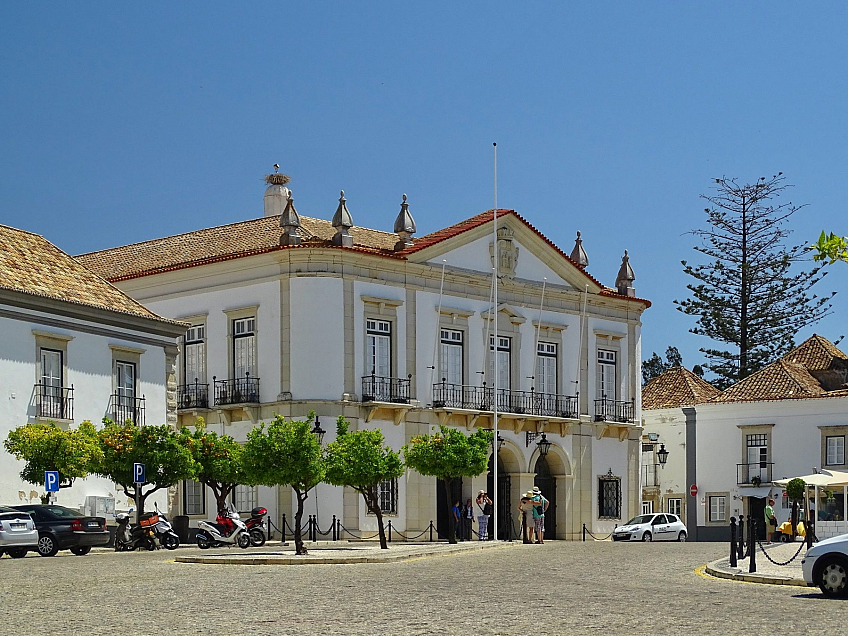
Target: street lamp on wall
[(319, 432), (662, 455), (544, 445), (501, 441)]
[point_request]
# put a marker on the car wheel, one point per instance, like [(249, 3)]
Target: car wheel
[(17, 553), (833, 576), (681, 537), (647, 537), (47, 546), (81, 550)]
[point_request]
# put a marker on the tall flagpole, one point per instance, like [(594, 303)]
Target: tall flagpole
[(495, 349)]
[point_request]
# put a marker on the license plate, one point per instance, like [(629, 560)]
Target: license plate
[(93, 524), (18, 526)]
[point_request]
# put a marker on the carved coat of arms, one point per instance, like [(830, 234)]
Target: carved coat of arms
[(507, 252)]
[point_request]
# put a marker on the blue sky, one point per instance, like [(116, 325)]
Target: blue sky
[(122, 123)]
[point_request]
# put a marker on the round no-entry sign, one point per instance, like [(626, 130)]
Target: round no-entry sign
[(693, 490)]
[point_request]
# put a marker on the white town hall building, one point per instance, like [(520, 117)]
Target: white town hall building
[(290, 314)]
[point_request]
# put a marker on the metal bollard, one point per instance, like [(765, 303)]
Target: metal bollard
[(335, 535), (283, 529), (431, 532), (390, 530), (584, 532), (733, 561), (811, 532), (752, 543), (741, 544)]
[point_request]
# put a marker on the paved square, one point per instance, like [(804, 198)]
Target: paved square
[(557, 588)]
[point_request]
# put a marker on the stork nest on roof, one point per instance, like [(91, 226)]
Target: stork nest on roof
[(277, 179)]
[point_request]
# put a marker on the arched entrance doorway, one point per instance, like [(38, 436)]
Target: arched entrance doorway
[(546, 482), (505, 530), (443, 506)]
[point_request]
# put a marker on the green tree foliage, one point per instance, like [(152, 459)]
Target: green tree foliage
[(361, 461), (830, 248), (160, 448), (447, 455), (286, 453), (217, 460), (656, 366), (750, 296), (45, 446), (795, 490)]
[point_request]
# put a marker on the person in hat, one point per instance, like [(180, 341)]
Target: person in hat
[(484, 505), (540, 506), (525, 507)]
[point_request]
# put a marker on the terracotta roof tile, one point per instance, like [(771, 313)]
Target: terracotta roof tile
[(31, 264), (815, 353), (778, 380), (675, 388)]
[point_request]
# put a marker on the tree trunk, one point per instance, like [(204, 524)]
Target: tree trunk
[(794, 518), (373, 504), (298, 517), (221, 493), (451, 520)]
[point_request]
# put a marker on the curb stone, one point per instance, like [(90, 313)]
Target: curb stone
[(712, 570)]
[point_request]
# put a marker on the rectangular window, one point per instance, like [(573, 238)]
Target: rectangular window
[(718, 508), (835, 450), (647, 507), (609, 498), (194, 499), (757, 444), (504, 361), (451, 368), (546, 368), (125, 381), (51, 381), (195, 355), (387, 493), (606, 375), (244, 498), (244, 347), (675, 506), (378, 348)]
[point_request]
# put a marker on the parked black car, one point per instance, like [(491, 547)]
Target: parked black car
[(61, 528)]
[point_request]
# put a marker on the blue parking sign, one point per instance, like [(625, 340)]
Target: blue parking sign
[(51, 480), (139, 473)]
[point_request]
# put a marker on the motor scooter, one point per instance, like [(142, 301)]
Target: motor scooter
[(131, 537), (164, 531), (215, 535), (255, 526)]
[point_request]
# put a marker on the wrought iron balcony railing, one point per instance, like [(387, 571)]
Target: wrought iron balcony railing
[(481, 398), (377, 388), (614, 411), (193, 396), (236, 391), (54, 402), (126, 407), (650, 475), (754, 474)]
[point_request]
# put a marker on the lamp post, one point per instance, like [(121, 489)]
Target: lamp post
[(319, 432), (662, 455)]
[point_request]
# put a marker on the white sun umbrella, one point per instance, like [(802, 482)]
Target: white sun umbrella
[(838, 478), (818, 479)]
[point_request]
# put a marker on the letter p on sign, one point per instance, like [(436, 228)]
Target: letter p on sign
[(138, 473), (51, 480)]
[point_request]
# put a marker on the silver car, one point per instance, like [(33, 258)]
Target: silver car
[(659, 526), (18, 534)]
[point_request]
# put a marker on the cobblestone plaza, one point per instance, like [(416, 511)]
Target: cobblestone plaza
[(557, 588)]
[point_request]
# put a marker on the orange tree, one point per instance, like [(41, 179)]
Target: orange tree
[(447, 455), (166, 459), (217, 460)]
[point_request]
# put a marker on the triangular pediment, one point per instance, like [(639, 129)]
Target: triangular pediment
[(510, 311)]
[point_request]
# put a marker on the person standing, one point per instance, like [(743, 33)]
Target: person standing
[(540, 506), (467, 519), (484, 505), (456, 517), (525, 507), (771, 520)]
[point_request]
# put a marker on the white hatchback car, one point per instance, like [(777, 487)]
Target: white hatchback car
[(659, 526), (826, 565), (17, 533)]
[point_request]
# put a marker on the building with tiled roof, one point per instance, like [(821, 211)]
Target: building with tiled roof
[(675, 388), (776, 423), (73, 347), (290, 314)]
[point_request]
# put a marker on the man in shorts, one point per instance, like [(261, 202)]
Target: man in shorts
[(540, 506)]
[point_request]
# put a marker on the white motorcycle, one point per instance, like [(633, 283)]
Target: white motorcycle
[(228, 529)]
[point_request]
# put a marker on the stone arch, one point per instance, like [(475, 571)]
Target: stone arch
[(553, 474)]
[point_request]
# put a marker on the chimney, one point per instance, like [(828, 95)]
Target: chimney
[(578, 254), (276, 194), (624, 281), (342, 220), (290, 222), (404, 226)]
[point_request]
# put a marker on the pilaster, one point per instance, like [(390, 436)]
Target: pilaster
[(349, 338), (171, 386)]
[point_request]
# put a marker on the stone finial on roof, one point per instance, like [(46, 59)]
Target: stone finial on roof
[(625, 278), (404, 226), (290, 222), (342, 220), (276, 193), (578, 254)]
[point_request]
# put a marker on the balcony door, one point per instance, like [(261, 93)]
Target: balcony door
[(378, 346), (125, 391), (195, 355), (546, 368), (503, 358), (51, 381), (244, 348), (450, 369), (757, 457), (606, 375)]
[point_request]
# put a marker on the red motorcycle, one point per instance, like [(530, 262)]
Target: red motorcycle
[(255, 526)]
